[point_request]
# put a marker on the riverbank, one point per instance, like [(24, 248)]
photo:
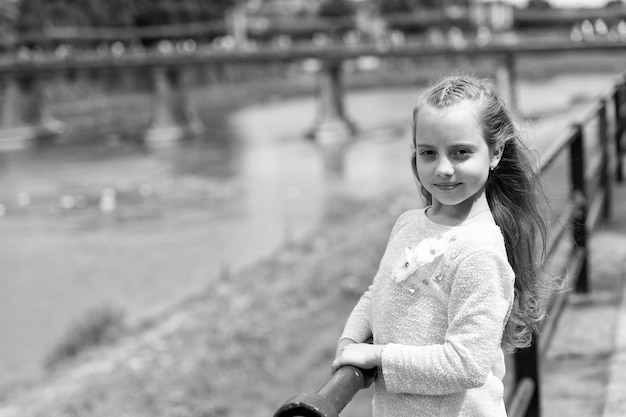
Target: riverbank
[(241, 346)]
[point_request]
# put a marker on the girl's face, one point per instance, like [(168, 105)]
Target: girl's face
[(452, 156)]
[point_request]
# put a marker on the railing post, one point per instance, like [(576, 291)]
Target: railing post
[(577, 167), (527, 367), (620, 122), (332, 126), (506, 79), (173, 117), (605, 176), (332, 397), (23, 113)]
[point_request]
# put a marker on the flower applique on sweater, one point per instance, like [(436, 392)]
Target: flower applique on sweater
[(419, 257)]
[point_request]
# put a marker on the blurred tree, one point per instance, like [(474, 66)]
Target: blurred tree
[(111, 12), (160, 12), (395, 6), (39, 14), (9, 14), (406, 6), (615, 3), (336, 8), (538, 4)]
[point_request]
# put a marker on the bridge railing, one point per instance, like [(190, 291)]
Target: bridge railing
[(24, 117), (593, 154)]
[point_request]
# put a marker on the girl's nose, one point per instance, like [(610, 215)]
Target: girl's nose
[(445, 168)]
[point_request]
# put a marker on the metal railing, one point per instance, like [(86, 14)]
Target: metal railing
[(332, 397), (592, 168)]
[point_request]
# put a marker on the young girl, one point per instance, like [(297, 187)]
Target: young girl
[(458, 280)]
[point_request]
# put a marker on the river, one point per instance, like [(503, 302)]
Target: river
[(186, 215)]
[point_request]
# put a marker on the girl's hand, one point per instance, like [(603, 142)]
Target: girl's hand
[(361, 355), (342, 344)]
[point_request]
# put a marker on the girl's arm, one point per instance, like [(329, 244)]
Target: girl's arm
[(358, 326), (480, 300), (342, 344), (361, 355)]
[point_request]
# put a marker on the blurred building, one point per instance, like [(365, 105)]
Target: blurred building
[(284, 7), (8, 19), (499, 16)]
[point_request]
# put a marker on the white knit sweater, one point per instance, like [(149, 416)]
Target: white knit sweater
[(443, 325)]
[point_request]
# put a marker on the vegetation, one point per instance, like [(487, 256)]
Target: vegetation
[(336, 8), (403, 6), (97, 327), (538, 4), (46, 23), (35, 15)]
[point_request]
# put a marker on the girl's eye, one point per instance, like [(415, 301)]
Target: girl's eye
[(427, 153), (462, 153)]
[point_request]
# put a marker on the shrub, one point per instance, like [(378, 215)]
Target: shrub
[(97, 327), (336, 8)]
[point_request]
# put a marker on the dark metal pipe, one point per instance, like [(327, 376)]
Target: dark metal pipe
[(620, 122), (332, 397), (577, 167), (523, 394)]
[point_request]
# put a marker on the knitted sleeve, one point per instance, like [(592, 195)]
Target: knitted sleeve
[(480, 299), (358, 326)]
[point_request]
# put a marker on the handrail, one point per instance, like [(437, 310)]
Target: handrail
[(50, 63), (558, 303), (576, 217), (522, 397), (332, 397), (558, 231), (557, 147)]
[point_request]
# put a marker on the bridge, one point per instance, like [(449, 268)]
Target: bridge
[(23, 76)]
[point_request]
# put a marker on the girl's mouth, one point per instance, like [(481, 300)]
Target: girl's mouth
[(447, 187)]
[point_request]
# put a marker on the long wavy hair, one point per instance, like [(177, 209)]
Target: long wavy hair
[(513, 191)]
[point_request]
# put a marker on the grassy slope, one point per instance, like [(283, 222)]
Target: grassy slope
[(243, 346)]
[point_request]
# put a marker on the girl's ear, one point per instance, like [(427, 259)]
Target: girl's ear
[(496, 155)]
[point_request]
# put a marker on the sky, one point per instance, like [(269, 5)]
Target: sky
[(566, 3)]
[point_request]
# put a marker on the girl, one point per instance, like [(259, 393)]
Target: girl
[(458, 280)]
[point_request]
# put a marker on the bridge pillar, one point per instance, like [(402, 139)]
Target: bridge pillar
[(173, 117), (506, 79), (23, 118), (332, 125)]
